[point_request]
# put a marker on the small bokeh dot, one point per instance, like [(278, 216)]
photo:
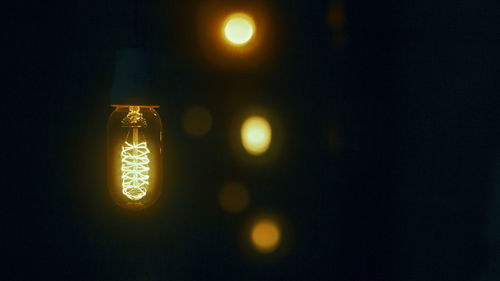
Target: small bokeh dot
[(265, 235)]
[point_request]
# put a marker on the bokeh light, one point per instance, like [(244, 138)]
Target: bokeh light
[(336, 20), (236, 35), (197, 121), (336, 16), (233, 197), (256, 135), (265, 235), (238, 28)]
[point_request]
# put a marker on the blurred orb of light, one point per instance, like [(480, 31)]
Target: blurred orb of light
[(336, 21), (197, 121), (256, 135), (238, 28), (336, 16), (233, 197), (265, 236)]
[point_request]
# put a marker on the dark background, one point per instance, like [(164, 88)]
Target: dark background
[(387, 168)]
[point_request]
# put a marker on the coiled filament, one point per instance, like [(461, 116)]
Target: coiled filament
[(135, 170)]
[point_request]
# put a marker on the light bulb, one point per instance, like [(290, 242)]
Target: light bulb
[(134, 155)]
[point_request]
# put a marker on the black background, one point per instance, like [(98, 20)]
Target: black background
[(409, 191)]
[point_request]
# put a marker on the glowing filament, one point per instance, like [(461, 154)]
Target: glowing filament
[(135, 170)]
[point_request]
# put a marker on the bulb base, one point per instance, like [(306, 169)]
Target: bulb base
[(132, 83)]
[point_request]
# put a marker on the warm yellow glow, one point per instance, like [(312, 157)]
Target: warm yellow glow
[(256, 135), (197, 121), (239, 28), (265, 236), (135, 161), (135, 170), (233, 198), (135, 156)]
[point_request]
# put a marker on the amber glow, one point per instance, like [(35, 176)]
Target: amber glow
[(256, 135), (239, 28), (135, 170), (265, 236), (233, 197), (134, 157), (336, 16)]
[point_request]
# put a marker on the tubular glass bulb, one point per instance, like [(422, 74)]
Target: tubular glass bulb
[(134, 155)]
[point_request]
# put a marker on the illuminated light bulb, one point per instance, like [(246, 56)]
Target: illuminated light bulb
[(238, 28), (265, 236), (134, 155), (135, 170), (135, 160), (256, 135)]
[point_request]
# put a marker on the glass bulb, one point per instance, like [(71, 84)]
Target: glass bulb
[(134, 156)]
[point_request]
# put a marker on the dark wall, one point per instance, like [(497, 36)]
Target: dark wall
[(387, 165)]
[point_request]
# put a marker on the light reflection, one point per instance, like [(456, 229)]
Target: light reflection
[(256, 135), (265, 235), (239, 28)]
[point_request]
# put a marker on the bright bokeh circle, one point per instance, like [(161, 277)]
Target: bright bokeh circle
[(239, 28), (265, 236), (256, 135)]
